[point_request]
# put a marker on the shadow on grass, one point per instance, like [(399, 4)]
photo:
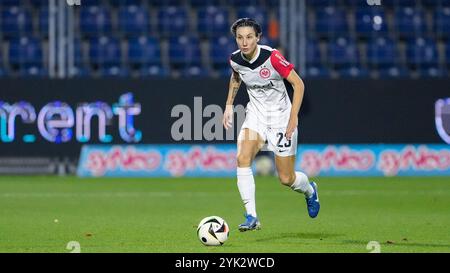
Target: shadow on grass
[(298, 235)]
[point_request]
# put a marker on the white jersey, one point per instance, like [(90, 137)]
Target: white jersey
[(263, 76)]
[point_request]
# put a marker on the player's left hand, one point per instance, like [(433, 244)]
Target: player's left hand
[(292, 125), (228, 117)]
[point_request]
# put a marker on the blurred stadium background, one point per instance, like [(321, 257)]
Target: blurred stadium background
[(169, 38), (92, 90)]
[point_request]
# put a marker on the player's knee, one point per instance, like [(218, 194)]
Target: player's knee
[(286, 179), (244, 160)]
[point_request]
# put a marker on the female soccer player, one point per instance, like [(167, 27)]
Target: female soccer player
[(270, 116)]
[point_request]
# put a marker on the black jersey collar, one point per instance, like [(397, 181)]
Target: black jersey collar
[(258, 51), (262, 56)]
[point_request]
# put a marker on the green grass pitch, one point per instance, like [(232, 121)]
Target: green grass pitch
[(43, 214)]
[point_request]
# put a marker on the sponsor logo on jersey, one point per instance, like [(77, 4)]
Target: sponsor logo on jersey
[(265, 87)]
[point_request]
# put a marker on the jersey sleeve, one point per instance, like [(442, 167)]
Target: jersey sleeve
[(280, 64)]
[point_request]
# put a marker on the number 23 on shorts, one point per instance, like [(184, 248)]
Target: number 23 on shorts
[(286, 144)]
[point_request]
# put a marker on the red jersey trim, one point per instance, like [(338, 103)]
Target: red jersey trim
[(280, 64)]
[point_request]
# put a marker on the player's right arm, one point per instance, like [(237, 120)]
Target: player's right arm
[(235, 83)]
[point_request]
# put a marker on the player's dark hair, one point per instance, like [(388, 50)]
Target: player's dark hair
[(246, 22)]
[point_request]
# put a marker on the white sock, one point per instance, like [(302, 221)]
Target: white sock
[(301, 184), (246, 185)]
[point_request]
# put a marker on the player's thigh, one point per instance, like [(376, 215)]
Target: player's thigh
[(249, 144), (286, 168)]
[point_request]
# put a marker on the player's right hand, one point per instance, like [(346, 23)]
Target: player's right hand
[(228, 117)]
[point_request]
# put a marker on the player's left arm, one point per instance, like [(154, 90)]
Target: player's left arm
[(299, 89)]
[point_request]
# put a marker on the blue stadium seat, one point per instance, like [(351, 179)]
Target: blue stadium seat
[(381, 52), (255, 12), (447, 53), (15, 22), (353, 72), (104, 51), (184, 51), (409, 22), (441, 22), (224, 72), (2, 72), (165, 3), (9, 3), (78, 52), (33, 71), (212, 21), (95, 20), (422, 52), (316, 72), (154, 71), (144, 50), (322, 3), (173, 21), (40, 3), (273, 3), (399, 3), (133, 20), (114, 71), (354, 3), (393, 72), (244, 3), (85, 3), (220, 51), (264, 41), (25, 52), (331, 21), (203, 3), (433, 72), (436, 3), (342, 52), (313, 53), (194, 72), (43, 21), (370, 22), (80, 72), (118, 3)]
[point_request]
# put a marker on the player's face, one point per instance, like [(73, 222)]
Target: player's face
[(247, 40)]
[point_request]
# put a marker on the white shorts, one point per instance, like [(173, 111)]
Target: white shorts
[(274, 138)]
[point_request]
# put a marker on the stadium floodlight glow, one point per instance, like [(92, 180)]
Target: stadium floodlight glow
[(442, 118)]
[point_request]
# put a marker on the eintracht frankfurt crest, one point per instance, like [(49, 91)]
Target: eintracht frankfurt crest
[(264, 73)]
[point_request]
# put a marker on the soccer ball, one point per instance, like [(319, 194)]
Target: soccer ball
[(213, 231), (264, 165)]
